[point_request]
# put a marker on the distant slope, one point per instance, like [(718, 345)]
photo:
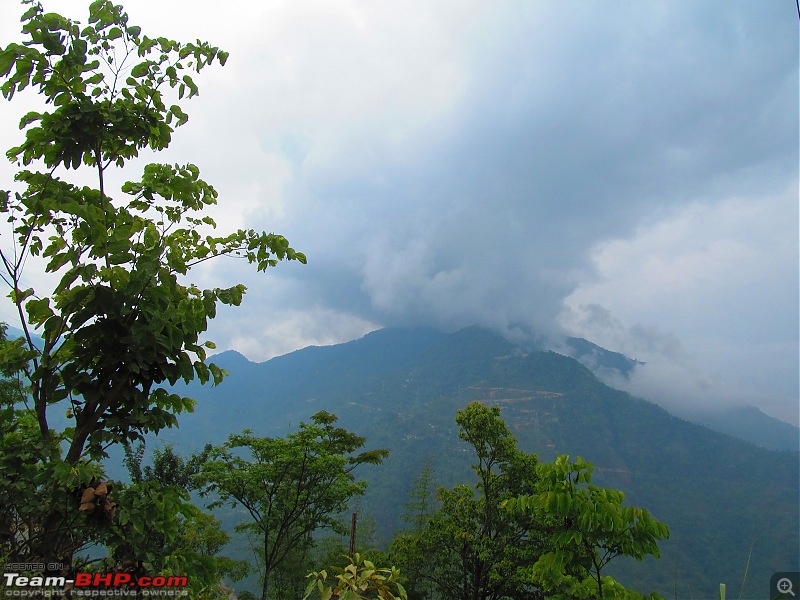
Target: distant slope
[(600, 360), (746, 423), (402, 388), (750, 424), (399, 345)]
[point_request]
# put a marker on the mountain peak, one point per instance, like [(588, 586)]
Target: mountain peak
[(599, 360), (482, 341)]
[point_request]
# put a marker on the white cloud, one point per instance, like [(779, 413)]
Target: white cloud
[(708, 296), (289, 330), (705, 267), (452, 163)]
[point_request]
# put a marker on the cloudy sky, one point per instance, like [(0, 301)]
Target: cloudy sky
[(622, 171)]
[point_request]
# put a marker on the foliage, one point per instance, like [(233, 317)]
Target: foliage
[(588, 527), (287, 579), (359, 580), (421, 499), (526, 530), (291, 486), (406, 546), (470, 548), (329, 552), (160, 531), (24, 476), (121, 321), (389, 384), (168, 468)]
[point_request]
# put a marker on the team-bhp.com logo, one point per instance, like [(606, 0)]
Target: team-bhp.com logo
[(93, 584)]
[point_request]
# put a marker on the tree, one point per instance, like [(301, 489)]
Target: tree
[(421, 499), (291, 486), (589, 527), (122, 320), (162, 532), (27, 478), (406, 547), (471, 549), (359, 580), (168, 468)]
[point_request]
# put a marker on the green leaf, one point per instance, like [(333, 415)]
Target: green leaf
[(19, 296), (38, 310), (125, 315), (29, 118), (7, 58), (193, 91), (181, 116), (217, 373), (141, 69)]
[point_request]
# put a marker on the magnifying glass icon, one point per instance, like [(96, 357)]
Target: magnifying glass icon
[(785, 586)]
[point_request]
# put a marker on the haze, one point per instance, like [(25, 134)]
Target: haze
[(621, 171)]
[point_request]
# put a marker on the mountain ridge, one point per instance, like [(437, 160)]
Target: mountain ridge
[(750, 424), (402, 388), (718, 494)]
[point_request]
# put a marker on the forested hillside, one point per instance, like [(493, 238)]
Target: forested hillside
[(402, 388), (131, 458)]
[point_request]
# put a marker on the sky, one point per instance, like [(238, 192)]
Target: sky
[(621, 171)]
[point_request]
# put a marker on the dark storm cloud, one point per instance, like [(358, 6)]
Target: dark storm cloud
[(575, 126), (512, 164)]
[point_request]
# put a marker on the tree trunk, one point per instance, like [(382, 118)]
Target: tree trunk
[(265, 586), (267, 570)]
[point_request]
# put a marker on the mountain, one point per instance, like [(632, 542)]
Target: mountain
[(746, 423), (600, 361), (750, 424), (731, 506)]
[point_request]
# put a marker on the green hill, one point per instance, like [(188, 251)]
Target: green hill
[(720, 496)]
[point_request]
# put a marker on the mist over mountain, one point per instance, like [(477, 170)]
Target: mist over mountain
[(748, 423), (401, 389)]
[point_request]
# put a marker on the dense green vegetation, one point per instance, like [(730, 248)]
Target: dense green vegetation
[(524, 531), (402, 388), (122, 320), (97, 372), (292, 487), (471, 547)]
